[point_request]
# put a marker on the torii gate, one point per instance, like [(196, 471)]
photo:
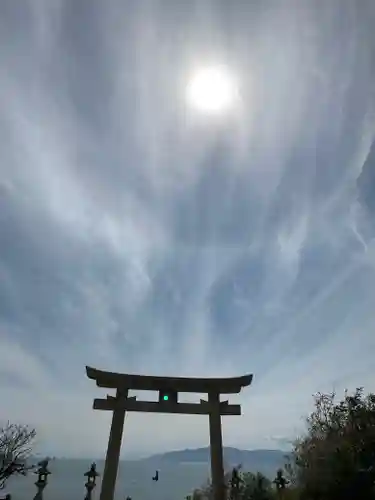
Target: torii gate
[(168, 388)]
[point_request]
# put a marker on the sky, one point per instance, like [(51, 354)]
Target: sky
[(138, 235)]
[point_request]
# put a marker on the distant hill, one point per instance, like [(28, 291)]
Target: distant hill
[(265, 461)]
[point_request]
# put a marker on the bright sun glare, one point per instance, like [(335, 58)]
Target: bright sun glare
[(211, 90)]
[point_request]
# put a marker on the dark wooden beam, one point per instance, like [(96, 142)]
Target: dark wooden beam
[(179, 384), (132, 404)]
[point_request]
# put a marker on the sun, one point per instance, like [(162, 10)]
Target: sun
[(212, 90)]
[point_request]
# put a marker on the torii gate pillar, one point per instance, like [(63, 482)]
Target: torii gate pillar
[(216, 447), (113, 451), (121, 403)]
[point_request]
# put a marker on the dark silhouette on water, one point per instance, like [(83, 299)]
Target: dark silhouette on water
[(156, 477)]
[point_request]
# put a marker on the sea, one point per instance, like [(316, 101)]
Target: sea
[(134, 479)]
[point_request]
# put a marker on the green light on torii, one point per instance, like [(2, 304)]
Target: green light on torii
[(168, 396)]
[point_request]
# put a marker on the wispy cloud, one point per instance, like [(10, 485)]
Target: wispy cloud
[(136, 236)]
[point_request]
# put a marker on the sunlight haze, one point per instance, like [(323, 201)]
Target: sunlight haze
[(212, 90)]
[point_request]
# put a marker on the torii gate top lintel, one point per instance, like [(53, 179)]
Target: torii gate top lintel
[(111, 380)]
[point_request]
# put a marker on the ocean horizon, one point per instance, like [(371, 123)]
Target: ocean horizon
[(134, 479)]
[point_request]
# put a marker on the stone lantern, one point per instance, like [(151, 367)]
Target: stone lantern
[(42, 480), (91, 480)]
